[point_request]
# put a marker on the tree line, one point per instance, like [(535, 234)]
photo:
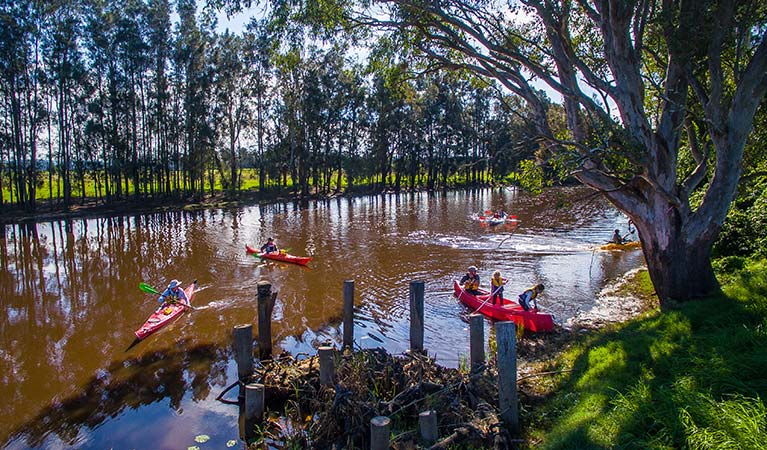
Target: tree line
[(145, 98)]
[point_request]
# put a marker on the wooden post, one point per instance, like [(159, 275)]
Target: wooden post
[(416, 315), (348, 313), (254, 402), (476, 341), (243, 350), (506, 334), (265, 305), (379, 433), (427, 423), (327, 369)]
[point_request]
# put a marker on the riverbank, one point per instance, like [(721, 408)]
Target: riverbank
[(89, 207), (623, 375), (372, 382)]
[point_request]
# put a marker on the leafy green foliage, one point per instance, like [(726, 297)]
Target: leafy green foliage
[(669, 380)]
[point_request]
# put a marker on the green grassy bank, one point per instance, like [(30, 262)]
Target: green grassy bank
[(692, 378)]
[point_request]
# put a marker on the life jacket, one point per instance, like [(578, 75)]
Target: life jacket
[(498, 282), (472, 282), (532, 291)]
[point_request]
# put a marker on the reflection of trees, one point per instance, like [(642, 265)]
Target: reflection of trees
[(69, 298), (130, 384)]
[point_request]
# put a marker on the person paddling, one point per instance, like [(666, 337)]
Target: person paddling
[(470, 281), (529, 296), (269, 247), (173, 294), (617, 238), (497, 283)]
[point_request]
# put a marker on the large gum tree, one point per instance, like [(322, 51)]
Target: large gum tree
[(659, 97)]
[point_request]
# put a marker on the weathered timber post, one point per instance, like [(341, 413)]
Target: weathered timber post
[(427, 423), (416, 315), (476, 341), (379, 433), (327, 368), (348, 313), (243, 350), (506, 334), (266, 301), (254, 401)]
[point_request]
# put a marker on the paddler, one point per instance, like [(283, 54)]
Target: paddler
[(529, 296), (173, 294), (470, 281), (496, 284), (269, 247)]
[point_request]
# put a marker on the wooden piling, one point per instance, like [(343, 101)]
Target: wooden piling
[(416, 315), (476, 341), (265, 306), (380, 428), (427, 423), (327, 368), (243, 350), (348, 314), (506, 335), (254, 402)]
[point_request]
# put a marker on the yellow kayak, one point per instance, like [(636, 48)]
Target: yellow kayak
[(625, 246)]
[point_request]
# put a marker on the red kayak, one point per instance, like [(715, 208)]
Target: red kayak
[(279, 256), (165, 314), (530, 320)]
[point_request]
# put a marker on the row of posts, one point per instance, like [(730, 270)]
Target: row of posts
[(506, 335)]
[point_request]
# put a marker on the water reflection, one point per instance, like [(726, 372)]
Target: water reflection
[(70, 298)]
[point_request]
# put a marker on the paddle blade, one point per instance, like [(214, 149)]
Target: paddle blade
[(147, 288)]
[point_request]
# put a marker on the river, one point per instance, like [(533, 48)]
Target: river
[(70, 299)]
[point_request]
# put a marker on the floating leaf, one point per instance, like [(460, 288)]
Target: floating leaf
[(202, 438), (231, 443)]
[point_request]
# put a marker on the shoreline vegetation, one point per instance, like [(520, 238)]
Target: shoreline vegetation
[(96, 207), (624, 377)]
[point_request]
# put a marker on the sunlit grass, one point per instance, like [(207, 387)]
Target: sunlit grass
[(692, 378)]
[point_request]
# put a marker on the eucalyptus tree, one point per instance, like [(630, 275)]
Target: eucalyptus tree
[(631, 74), (233, 91), (259, 47)]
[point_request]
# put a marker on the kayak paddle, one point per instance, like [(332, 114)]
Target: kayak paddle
[(147, 288)]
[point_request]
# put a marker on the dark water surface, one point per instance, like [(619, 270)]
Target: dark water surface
[(70, 300)]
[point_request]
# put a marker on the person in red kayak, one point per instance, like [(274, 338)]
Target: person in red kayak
[(528, 298), (173, 294), (496, 283), (470, 281), (269, 247)]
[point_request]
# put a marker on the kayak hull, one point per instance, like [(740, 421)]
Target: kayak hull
[(625, 246), (164, 315), (277, 256), (531, 320)]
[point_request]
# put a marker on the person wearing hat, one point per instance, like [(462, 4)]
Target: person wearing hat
[(470, 281), (269, 247), (173, 294)]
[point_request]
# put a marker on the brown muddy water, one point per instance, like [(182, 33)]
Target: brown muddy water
[(70, 300)]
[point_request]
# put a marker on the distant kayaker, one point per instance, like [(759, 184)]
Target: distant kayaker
[(496, 283), (470, 281), (617, 238), (269, 247), (173, 293), (527, 299)]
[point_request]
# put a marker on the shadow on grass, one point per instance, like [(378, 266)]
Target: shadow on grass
[(693, 377)]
